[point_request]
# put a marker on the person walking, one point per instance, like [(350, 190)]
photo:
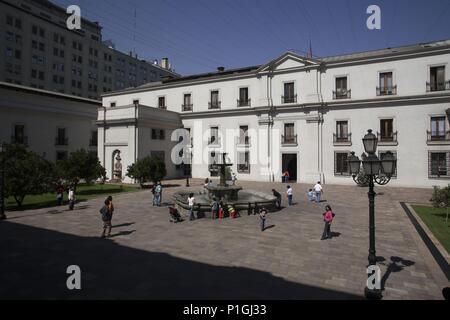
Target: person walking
[(71, 198), (215, 208), (191, 202), (59, 195), (328, 217), (106, 218), (153, 194), (289, 194), (262, 216), (310, 195), (158, 194), (278, 196), (318, 190), (233, 179)]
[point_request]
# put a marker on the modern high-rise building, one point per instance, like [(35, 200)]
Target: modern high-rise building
[(38, 50)]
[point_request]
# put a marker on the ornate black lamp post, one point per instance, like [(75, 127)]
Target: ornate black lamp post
[(2, 184), (379, 171)]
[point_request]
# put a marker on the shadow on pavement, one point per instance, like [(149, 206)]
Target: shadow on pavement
[(34, 264)]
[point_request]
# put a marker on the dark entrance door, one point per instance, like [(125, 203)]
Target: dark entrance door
[(289, 163)]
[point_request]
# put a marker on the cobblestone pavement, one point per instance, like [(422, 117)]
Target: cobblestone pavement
[(148, 257)]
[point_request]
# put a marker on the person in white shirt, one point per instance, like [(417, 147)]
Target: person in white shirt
[(318, 190), (71, 198), (289, 194), (191, 202)]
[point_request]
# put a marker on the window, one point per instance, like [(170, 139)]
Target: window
[(61, 139), (386, 85), (162, 102), (9, 20), (243, 135), (289, 133), (214, 103), (213, 159), (19, 134), (386, 130), (342, 134), (437, 79), (438, 164), (17, 54), (341, 164), (214, 137), (9, 52), (341, 89), (243, 97), (243, 165), (135, 102), (187, 102), (289, 93), (437, 128), (9, 36), (94, 139), (112, 104), (158, 134), (381, 154)]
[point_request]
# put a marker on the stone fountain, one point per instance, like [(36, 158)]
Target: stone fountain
[(247, 200)]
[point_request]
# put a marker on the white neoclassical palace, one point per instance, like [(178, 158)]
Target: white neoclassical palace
[(294, 113)]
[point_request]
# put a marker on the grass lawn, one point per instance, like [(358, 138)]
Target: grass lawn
[(434, 218), (84, 192)]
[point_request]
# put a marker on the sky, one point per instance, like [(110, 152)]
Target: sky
[(200, 35)]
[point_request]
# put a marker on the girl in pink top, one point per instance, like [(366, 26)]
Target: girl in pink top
[(328, 218)]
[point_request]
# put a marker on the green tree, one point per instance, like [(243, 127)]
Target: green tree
[(148, 169), (441, 199), (81, 166), (27, 173)]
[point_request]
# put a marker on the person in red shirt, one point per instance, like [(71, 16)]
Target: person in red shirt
[(328, 217)]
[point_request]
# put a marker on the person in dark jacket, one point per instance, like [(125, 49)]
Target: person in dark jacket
[(278, 196), (106, 218)]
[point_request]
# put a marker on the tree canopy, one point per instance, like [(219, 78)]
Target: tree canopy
[(148, 169)]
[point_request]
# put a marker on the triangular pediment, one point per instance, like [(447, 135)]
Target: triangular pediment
[(289, 60)]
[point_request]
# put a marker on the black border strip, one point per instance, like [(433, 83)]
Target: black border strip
[(430, 245)]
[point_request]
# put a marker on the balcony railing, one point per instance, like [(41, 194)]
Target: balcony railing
[(342, 138), (383, 139), (342, 94), (214, 105), (439, 86), (59, 141), (244, 103), (187, 107), (387, 91), (289, 99), (214, 140), (19, 140), (289, 139), (163, 107), (243, 168), (438, 136)]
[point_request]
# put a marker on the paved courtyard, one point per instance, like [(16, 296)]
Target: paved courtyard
[(150, 258)]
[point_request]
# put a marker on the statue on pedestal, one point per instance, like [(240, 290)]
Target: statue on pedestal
[(117, 172)]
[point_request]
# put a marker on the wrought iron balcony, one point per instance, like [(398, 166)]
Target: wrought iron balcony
[(387, 140), (243, 168), (244, 102), (289, 139), (61, 141), (289, 99), (19, 140), (344, 139), (214, 105), (387, 91), (438, 137), (438, 86), (342, 94), (187, 107)]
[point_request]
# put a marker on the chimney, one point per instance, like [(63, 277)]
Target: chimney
[(165, 63), (221, 69)]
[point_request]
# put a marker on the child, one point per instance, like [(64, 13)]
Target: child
[(214, 209), (191, 201), (106, 218), (231, 212), (262, 216), (71, 198), (328, 219), (310, 195), (289, 194)]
